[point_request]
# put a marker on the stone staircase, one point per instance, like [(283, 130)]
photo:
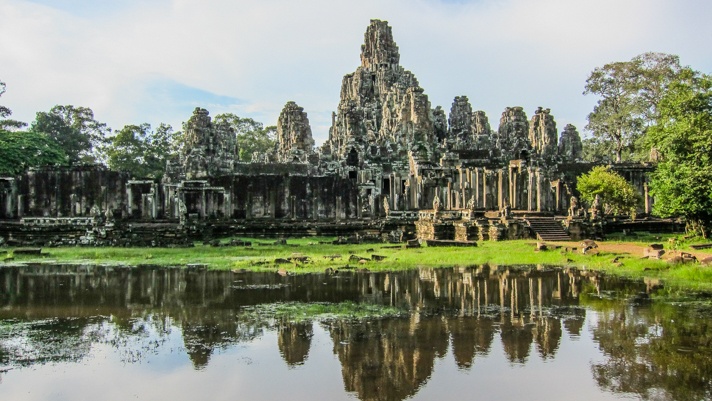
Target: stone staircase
[(548, 229)]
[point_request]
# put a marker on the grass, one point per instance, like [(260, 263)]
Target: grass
[(264, 255)]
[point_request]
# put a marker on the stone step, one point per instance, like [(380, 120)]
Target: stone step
[(548, 229)]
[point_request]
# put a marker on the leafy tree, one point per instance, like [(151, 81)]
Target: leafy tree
[(251, 135), (20, 150), (140, 151), (75, 129), (629, 94), (616, 194), (5, 123), (682, 182)]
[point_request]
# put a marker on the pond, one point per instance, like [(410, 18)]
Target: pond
[(84, 332)]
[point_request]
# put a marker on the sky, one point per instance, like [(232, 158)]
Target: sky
[(154, 61)]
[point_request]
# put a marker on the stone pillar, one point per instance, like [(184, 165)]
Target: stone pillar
[(513, 181), (531, 189), (539, 194), (646, 195), (129, 199), (501, 188)]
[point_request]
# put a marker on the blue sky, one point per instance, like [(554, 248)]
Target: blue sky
[(135, 61)]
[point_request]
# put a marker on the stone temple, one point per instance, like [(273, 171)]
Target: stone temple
[(393, 167)]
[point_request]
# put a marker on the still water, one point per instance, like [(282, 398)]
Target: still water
[(497, 333)]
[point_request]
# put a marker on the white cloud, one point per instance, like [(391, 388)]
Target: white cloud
[(264, 53)]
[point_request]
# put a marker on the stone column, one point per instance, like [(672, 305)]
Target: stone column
[(513, 193), (646, 195), (539, 194), (530, 190)]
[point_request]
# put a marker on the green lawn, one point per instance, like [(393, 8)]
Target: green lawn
[(264, 255)]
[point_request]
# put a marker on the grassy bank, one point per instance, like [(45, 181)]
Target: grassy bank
[(313, 255)]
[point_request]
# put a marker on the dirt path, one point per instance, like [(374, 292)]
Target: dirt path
[(636, 250)]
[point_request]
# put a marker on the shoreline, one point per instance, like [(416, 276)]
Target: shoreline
[(309, 255)]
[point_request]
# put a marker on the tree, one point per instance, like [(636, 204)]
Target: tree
[(75, 129), (616, 194), (251, 135), (682, 182), (20, 150), (5, 123), (629, 95), (140, 151)]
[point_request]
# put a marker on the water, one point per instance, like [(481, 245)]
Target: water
[(495, 333)]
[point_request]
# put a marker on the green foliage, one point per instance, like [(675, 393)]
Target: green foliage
[(20, 150), (629, 94), (252, 136), (682, 183), (4, 111), (75, 129), (140, 151), (616, 194), (5, 123)]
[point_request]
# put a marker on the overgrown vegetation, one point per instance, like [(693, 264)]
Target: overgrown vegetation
[(321, 311), (615, 193), (22, 150), (307, 255), (682, 182)]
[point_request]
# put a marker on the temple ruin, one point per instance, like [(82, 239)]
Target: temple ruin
[(393, 167)]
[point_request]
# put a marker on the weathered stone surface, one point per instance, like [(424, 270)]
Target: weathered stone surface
[(294, 135), (514, 133), (439, 124), (542, 133), (383, 112), (468, 130), (460, 122), (570, 145), (481, 131), (209, 150)]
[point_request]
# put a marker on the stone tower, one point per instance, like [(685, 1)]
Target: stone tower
[(513, 135), (383, 112), (294, 135), (481, 131), (570, 146), (460, 121), (542, 133), (210, 150)]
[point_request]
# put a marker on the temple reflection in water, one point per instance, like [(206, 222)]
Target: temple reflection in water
[(463, 310)]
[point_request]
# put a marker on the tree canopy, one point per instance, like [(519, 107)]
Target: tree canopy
[(682, 182), (629, 93), (140, 151), (76, 131), (21, 150), (252, 136), (6, 123), (616, 194)]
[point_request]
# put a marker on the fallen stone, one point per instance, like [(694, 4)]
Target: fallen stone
[(701, 246), (434, 243), (27, 251), (652, 253), (378, 257), (587, 245)]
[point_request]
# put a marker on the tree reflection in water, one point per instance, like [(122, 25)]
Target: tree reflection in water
[(55, 314)]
